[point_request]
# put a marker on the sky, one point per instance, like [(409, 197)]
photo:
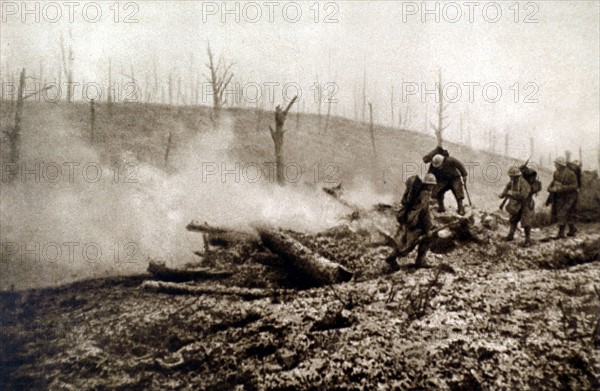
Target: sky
[(543, 57)]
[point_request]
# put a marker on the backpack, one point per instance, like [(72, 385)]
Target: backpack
[(577, 170), (530, 175)]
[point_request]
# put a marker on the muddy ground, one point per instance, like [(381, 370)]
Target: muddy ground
[(486, 315)]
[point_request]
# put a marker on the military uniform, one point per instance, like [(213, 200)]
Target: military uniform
[(564, 194), (520, 205), (418, 224), (437, 151), (415, 221), (448, 177)]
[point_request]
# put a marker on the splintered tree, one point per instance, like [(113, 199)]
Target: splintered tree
[(277, 136), (14, 137), (14, 134), (441, 125), (372, 129), (67, 64), (220, 77)]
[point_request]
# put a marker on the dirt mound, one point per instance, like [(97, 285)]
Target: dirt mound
[(588, 208)]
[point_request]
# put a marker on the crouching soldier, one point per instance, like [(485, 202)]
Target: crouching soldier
[(564, 193), (448, 172), (415, 221), (520, 204)]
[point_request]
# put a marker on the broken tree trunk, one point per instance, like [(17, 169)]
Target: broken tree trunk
[(277, 136), (160, 271), (315, 267), (221, 236), (186, 289)]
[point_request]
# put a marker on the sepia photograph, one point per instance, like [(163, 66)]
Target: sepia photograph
[(299, 195)]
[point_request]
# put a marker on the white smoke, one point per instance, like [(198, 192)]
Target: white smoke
[(56, 231)]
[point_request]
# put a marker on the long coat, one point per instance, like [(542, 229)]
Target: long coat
[(520, 204), (418, 222), (564, 195)]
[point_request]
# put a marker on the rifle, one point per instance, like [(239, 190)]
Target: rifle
[(405, 250), (464, 183), (401, 252)]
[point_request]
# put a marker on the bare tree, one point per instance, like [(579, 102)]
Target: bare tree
[(364, 92), (14, 134), (168, 148), (277, 136), (441, 125), (372, 129), (319, 96), (392, 107), (220, 77), (109, 91), (170, 89), (67, 64), (14, 137)]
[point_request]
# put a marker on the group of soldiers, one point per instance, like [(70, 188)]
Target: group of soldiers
[(447, 173)]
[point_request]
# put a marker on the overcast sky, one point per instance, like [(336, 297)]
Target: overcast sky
[(554, 60)]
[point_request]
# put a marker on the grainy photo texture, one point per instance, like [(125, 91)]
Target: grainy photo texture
[(299, 195)]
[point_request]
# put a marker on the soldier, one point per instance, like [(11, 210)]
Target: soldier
[(520, 204), (437, 151), (415, 220), (448, 172), (564, 193)]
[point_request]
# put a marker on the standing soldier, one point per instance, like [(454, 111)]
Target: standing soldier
[(448, 172), (436, 151), (520, 205), (415, 220), (564, 193)]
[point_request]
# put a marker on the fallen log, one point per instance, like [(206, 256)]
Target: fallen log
[(160, 271), (172, 288), (314, 267), (221, 237)]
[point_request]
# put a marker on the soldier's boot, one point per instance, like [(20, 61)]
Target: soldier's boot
[(461, 208), (572, 230), (511, 233), (421, 261), (391, 260), (441, 208), (528, 241), (561, 232)]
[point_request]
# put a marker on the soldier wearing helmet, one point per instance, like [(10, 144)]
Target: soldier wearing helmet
[(448, 171), (415, 220), (564, 193), (520, 205)]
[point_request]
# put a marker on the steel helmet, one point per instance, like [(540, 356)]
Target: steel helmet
[(430, 179), (437, 160), (514, 171), (561, 161), (576, 163)]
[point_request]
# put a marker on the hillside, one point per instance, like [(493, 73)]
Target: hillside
[(486, 314), (140, 132)]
